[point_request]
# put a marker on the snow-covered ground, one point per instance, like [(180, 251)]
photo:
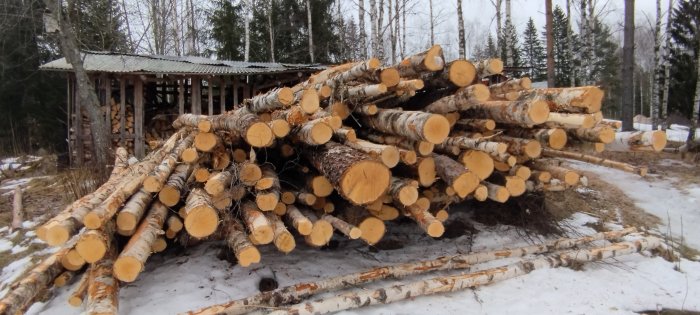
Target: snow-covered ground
[(629, 284)]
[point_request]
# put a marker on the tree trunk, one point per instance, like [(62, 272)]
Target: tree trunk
[(86, 90), (696, 100), (248, 8), (550, 43), (432, 24), (311, 32), (460, 26), (656, 82), (246, 253), (363, 33), (667, 65), (642, 171), (638, 141), (374, 30), (271, 30), (201, 218), (569, 44), (523, 113), (463, 99), (628, 67), (169, 195), (507, 45), (462, 180), (18, 209)]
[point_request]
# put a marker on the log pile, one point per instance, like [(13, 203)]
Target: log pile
[(115, 120), (353, 147)]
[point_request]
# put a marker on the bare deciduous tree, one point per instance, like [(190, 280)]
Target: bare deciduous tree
[(628, 67), (311, 31), (460, 26)]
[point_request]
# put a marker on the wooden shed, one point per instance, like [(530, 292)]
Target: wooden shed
[(142, 94)]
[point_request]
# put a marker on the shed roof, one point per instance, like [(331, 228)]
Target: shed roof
[(158, 64)]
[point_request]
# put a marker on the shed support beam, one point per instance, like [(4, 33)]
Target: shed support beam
[(138, 118)]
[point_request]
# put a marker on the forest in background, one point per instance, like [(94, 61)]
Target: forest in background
[(586, 49)]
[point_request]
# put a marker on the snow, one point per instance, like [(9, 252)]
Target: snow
[(18, 249), (5, 245), (678, 209)]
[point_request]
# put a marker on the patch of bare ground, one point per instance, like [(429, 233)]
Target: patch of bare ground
[(669, 312), (681, 170)]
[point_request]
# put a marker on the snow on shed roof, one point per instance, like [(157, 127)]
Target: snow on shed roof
[(159, 64)]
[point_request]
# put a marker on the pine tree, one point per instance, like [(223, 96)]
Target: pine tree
[(533, 53), (491, 50), (228, 30), (684, 33)]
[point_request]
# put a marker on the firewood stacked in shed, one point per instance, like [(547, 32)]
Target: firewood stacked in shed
[(343, 153)]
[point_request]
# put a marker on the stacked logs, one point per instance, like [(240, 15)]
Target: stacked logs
[(350, 149), (115, 120)]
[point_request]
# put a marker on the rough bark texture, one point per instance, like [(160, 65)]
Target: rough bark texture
[(584, 99), (412, 125), (523, 113), (103, 288)]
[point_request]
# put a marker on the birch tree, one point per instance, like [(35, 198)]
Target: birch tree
[(696, 100), (271, 30), (432, 25), (460, 26), (628, 66), (374, 31), (311, 31), (549, 43), (667, 64), (656, 69), (363, 33), (570, 46), (497, 4)]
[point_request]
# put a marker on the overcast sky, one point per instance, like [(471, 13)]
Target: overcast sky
[(479, 15)]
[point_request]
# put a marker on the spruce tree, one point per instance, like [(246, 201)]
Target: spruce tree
[(562, 59), (511, 36), (491, 50), (684, 49), (228, 30), (98, 24), (533, 53)]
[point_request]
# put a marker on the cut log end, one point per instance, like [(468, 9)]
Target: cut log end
[(389, 77), (365, 181), (321, 233), (479, 163), (267, 201), (435, 229), (372, 229), (436, 129), (433, 59), (280, 128), (250, 173), (263, 234), (480, 92), (309, 102), (462, 73), (390, 156), (557, 139), (465, 184), (571, 178), (206, 141), (91, 248), (658, 140), (201, 221), (127, 268), (515, 185), (321, 133), (127, 220), (426, 172), (248, 256), (259, 135), (425, 148), (321, 187), (285, 96), (533, 149), (539, 112), (57, 235), (92, 221), (481, 193), (408, 195)]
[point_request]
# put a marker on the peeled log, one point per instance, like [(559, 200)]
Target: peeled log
[(640, 170), (410, 124), (584, 99), (354, 175), (201, 218), (103, 288), (133, 258), (430, 60), (461, 100), (638, 141), (512, 85), (522, 113)]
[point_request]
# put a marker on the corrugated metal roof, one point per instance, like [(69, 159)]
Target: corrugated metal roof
[(152, 64)]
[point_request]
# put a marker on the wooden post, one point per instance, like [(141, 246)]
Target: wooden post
[(107, 88), (138, 118), (210, 96), (122, 110), (246, 91), (78, 128), (222, 95), (235, 92), (196, 95), (181, 96)]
